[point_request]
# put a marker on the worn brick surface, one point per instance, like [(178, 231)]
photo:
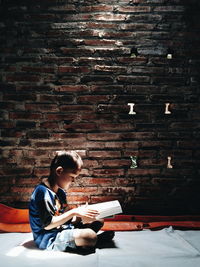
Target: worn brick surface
[(68, 71)]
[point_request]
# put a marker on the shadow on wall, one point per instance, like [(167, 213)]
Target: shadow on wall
[(192, 52)]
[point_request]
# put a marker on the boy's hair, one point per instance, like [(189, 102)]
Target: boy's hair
[(68, 160)]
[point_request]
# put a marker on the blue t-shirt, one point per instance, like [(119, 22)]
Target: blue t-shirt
[(44, 204)]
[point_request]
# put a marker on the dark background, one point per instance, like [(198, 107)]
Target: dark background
[(68, 71)]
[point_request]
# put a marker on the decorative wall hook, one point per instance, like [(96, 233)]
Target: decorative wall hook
[(167, 111), (132, 112), (134, 52), (169, 165), (169, 56), (170, 53), (133, 162)]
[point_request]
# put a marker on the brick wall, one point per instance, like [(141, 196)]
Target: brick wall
[(69, 70)]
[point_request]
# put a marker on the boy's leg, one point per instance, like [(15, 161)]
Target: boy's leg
[(85, 237), (102, 237), (95, 226)]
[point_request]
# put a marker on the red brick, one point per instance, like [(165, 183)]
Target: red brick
[(72, 88), (58, 60), (27, 181), (35, 152), (117, 126), (143, 172), (92, 98), (98, 199), (77, 51), (156, 144), (99, 25), (153, 162), (90, 163), (76, 108), (69, 69), (134, 60), (112, 34), (133, 79), (98, 181), (70, 136), (19, 189), (137, 135), (82, 190), (104, 154), (114, 163), (41, 172), (25, 115), (184, 125), (96, 8), (98, 42), (33, 88), (77, 199), (84, 127), (110, 17), (55, 99), (169, 8), (107, 172), (59, 117), (132, 144), (48, 144), (36, 69), (103, 136), (111, 69), (42, 107), (130, 9), (22, 78), (117, 190), (63, 7), (19, 97), (137, 26), (49, 125), (16, 171)]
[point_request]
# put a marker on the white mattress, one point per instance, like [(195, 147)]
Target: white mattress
[(163, 248)]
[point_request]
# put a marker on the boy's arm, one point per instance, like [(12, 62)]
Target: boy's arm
[(59, 220), (79, 212)]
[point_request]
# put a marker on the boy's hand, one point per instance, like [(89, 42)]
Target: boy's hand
[(85, 212)]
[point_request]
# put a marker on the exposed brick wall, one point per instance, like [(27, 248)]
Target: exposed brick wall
[(69, 70)]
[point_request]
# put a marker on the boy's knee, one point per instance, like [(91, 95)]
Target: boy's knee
[(90, 237), (85, 237), (101, 221)]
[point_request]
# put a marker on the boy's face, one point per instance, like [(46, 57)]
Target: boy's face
[(65, 178)]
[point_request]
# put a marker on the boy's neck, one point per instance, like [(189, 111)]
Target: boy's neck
[(53, 188)]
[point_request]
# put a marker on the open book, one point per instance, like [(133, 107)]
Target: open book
[(106, 209)]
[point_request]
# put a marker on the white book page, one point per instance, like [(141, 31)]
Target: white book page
[(107, 209)]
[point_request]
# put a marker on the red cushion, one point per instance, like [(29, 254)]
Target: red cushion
[(12, 215), (17, 220), (137, 226), (15, 227)]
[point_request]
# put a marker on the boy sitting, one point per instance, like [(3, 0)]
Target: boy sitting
[(54, 228)]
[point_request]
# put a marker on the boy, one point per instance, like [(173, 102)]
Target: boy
[(52, 227)]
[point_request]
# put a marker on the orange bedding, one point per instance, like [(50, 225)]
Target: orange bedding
[(17, 220)]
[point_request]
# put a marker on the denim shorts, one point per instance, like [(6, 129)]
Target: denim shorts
[(64, 240)]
